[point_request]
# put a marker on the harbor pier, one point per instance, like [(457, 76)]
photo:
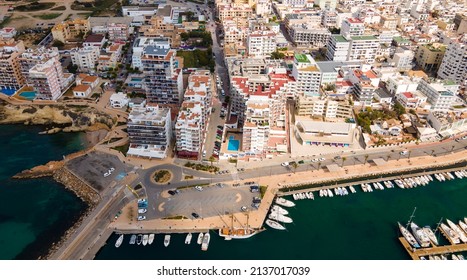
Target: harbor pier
[(416, 254)]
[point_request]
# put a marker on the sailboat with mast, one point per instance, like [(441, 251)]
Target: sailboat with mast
[(245, 232), (406, 233)]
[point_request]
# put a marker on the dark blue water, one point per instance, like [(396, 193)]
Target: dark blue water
[(34, 213), (361, 226)]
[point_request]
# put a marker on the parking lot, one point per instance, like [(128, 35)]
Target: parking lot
[(211, 201), (92, 168)]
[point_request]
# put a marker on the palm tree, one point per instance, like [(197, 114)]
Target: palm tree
[(212, 159), (452, 148), (343, 160), (319, 165), (409, 155), (432, 152), (366, 159), (294, 166)]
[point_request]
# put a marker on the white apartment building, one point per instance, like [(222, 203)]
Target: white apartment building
[(352, 27), (142, 42), (233, 11), (323, 107), (118, 28), (256, 128), (42, 70), (309, 34), (307, 74), (329, 19), (295, 3), (403, 59), (150, 132), (454, 64), (398, 84), (326, 4), (363, 48), (85, 58), (46, 80), (139, 15), (190, 128), (261, 43), (263, 7), (411, 99), (437, 95), (338, 48)]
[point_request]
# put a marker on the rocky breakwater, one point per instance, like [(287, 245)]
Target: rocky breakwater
[(56, 118), (76, 185)]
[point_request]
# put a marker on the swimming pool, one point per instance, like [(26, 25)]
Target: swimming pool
[(233, 144), (8, 91), (29, 95)]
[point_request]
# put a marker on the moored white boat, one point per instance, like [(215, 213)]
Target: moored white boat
[(399, 184), (200, 238), (280, 210), (454, 257), (452, 235), (205, 243), (352, 189), (420, 235), (284, 202), (280, 218), (188, 238), (430, 235), (166, 240), (145, 239), (274, 224), (408, 236), (139, 239), (463, 226), (459, 231), (151, 238), (133, 239), (119, 241)]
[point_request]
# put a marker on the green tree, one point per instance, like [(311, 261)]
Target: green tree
[(343, 160), (58, 44), (212, 159), (399, 109), (294, 166), (277, 55)]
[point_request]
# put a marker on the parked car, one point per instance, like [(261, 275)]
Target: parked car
[(404, 153), (142, 210), (244, 208), (194, 215), (141, 218), (171, 192), (285, 164), (199, 188)]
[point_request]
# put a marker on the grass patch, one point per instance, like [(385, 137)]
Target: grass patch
[(59, 8), (121, 123), (162, 176), (138, 187), (263, 190), (179, 217), (122, 149), (48, 16), (6, 21), (192, 186), (197, 58), (202, 167), (35, 6), (188, 177), (233, 160), (97, 7), (114, 139)]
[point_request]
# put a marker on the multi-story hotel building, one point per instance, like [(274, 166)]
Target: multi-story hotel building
[(163, 80), (150, 131), (10, 69), (190, 128)]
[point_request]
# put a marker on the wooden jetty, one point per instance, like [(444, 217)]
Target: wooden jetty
[(415, 254)]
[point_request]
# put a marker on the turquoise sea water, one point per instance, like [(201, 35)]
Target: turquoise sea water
[(34, 213), (361, 226)]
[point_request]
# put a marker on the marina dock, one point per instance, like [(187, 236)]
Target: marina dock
[(381, 177), (415, 254)]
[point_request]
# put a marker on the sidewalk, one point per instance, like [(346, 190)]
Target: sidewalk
[(256, 218)]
